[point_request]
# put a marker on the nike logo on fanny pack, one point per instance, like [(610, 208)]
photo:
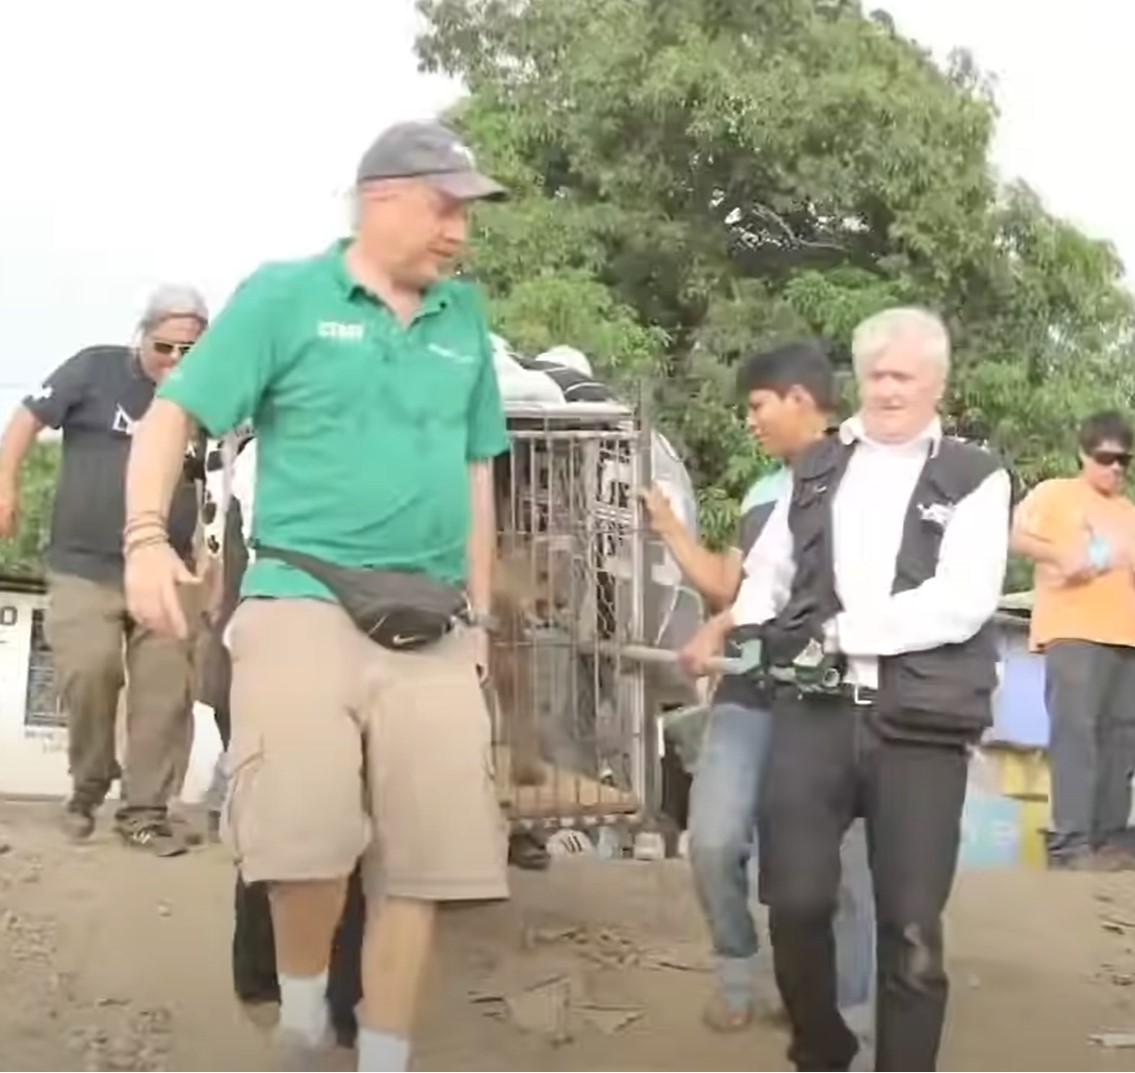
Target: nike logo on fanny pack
[(402, 640)]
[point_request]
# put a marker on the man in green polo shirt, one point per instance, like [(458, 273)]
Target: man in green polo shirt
[(369, 379)]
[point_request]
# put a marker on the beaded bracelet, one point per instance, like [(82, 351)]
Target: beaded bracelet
[(144, 519), (144, 542), (143, 531)]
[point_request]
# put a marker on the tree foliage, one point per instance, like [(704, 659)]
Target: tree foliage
[(23, 555), (696, 179)]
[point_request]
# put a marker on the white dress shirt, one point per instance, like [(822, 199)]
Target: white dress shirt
[(869, 514)]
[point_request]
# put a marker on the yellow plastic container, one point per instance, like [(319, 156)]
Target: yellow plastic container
[(1035, 818), (1024, 775)]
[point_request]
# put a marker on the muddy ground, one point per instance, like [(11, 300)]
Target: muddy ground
[(112, 960)]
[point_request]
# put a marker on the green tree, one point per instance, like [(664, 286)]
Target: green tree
[(695, 179), (23, 555)]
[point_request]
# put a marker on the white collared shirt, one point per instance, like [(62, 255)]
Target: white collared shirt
[(869, 514)]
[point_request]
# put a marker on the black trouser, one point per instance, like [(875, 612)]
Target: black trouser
[(224, 723), (827, 765), (254, 943), (1089, 692)]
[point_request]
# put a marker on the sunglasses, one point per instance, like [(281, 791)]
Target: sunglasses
[(165, 348), (1112, 458)]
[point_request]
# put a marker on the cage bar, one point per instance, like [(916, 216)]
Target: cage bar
[(569, 712)]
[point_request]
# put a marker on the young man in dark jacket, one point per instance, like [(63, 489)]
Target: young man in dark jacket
[(790, 393)]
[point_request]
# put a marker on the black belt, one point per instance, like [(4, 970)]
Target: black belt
[(860, 696)]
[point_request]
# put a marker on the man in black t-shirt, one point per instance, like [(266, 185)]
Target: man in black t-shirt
[(95, 398)]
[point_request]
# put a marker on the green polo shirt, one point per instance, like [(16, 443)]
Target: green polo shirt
[(364, 426)]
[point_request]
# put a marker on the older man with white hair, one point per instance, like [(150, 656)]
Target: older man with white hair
[(871, 589), (95, 399)]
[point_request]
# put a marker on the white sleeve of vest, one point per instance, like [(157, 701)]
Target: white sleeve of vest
[(959, 599), (768, 569)]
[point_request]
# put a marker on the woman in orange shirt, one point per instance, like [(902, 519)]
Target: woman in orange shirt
[(1080, 531)]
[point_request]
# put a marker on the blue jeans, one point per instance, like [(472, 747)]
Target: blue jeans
[(723, 817)]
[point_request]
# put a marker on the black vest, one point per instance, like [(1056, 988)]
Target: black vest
[(943, 695)]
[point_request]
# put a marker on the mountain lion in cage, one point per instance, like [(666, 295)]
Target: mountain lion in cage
[(548, 597), (529, 591)]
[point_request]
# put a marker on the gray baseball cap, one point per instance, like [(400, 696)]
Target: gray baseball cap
[(174, 300), (430, 151)]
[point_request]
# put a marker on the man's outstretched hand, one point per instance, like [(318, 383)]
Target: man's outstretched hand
[(153, 575), (659, 513)]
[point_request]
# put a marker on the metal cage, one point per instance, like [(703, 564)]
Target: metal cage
[(570, 720)]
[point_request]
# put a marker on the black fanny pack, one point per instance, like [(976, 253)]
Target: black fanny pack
[(394, 608)]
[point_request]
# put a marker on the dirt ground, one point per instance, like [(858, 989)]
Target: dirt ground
[(115, 961)]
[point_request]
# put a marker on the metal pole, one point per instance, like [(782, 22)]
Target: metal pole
[(663, 657), (650, 752)]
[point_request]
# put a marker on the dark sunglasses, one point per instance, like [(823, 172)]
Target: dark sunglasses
[(161, 346), (1112, 458)]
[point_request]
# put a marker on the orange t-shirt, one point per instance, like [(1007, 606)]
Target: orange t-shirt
[(1068, 512)]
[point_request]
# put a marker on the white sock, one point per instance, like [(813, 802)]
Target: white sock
[(303, 1006), (380, 1052)]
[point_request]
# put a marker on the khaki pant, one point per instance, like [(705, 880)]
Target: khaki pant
[(341, 748), (97, 649)]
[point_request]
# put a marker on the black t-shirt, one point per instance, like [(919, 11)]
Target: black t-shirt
[(95, 398)]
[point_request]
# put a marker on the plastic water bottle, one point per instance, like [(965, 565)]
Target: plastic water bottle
[(1099, 553)]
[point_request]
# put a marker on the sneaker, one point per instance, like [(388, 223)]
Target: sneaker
[(722, 1015), (78, 822), (1077, 861), (155, 836), (186, 830), (290, 1051), (1114, 859)]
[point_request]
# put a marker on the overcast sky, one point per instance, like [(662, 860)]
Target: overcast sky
[(146, 141)]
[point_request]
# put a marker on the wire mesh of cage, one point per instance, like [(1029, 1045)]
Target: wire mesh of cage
[(569, 711)]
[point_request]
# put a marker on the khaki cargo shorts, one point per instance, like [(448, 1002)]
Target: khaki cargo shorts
[(342, 749)]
